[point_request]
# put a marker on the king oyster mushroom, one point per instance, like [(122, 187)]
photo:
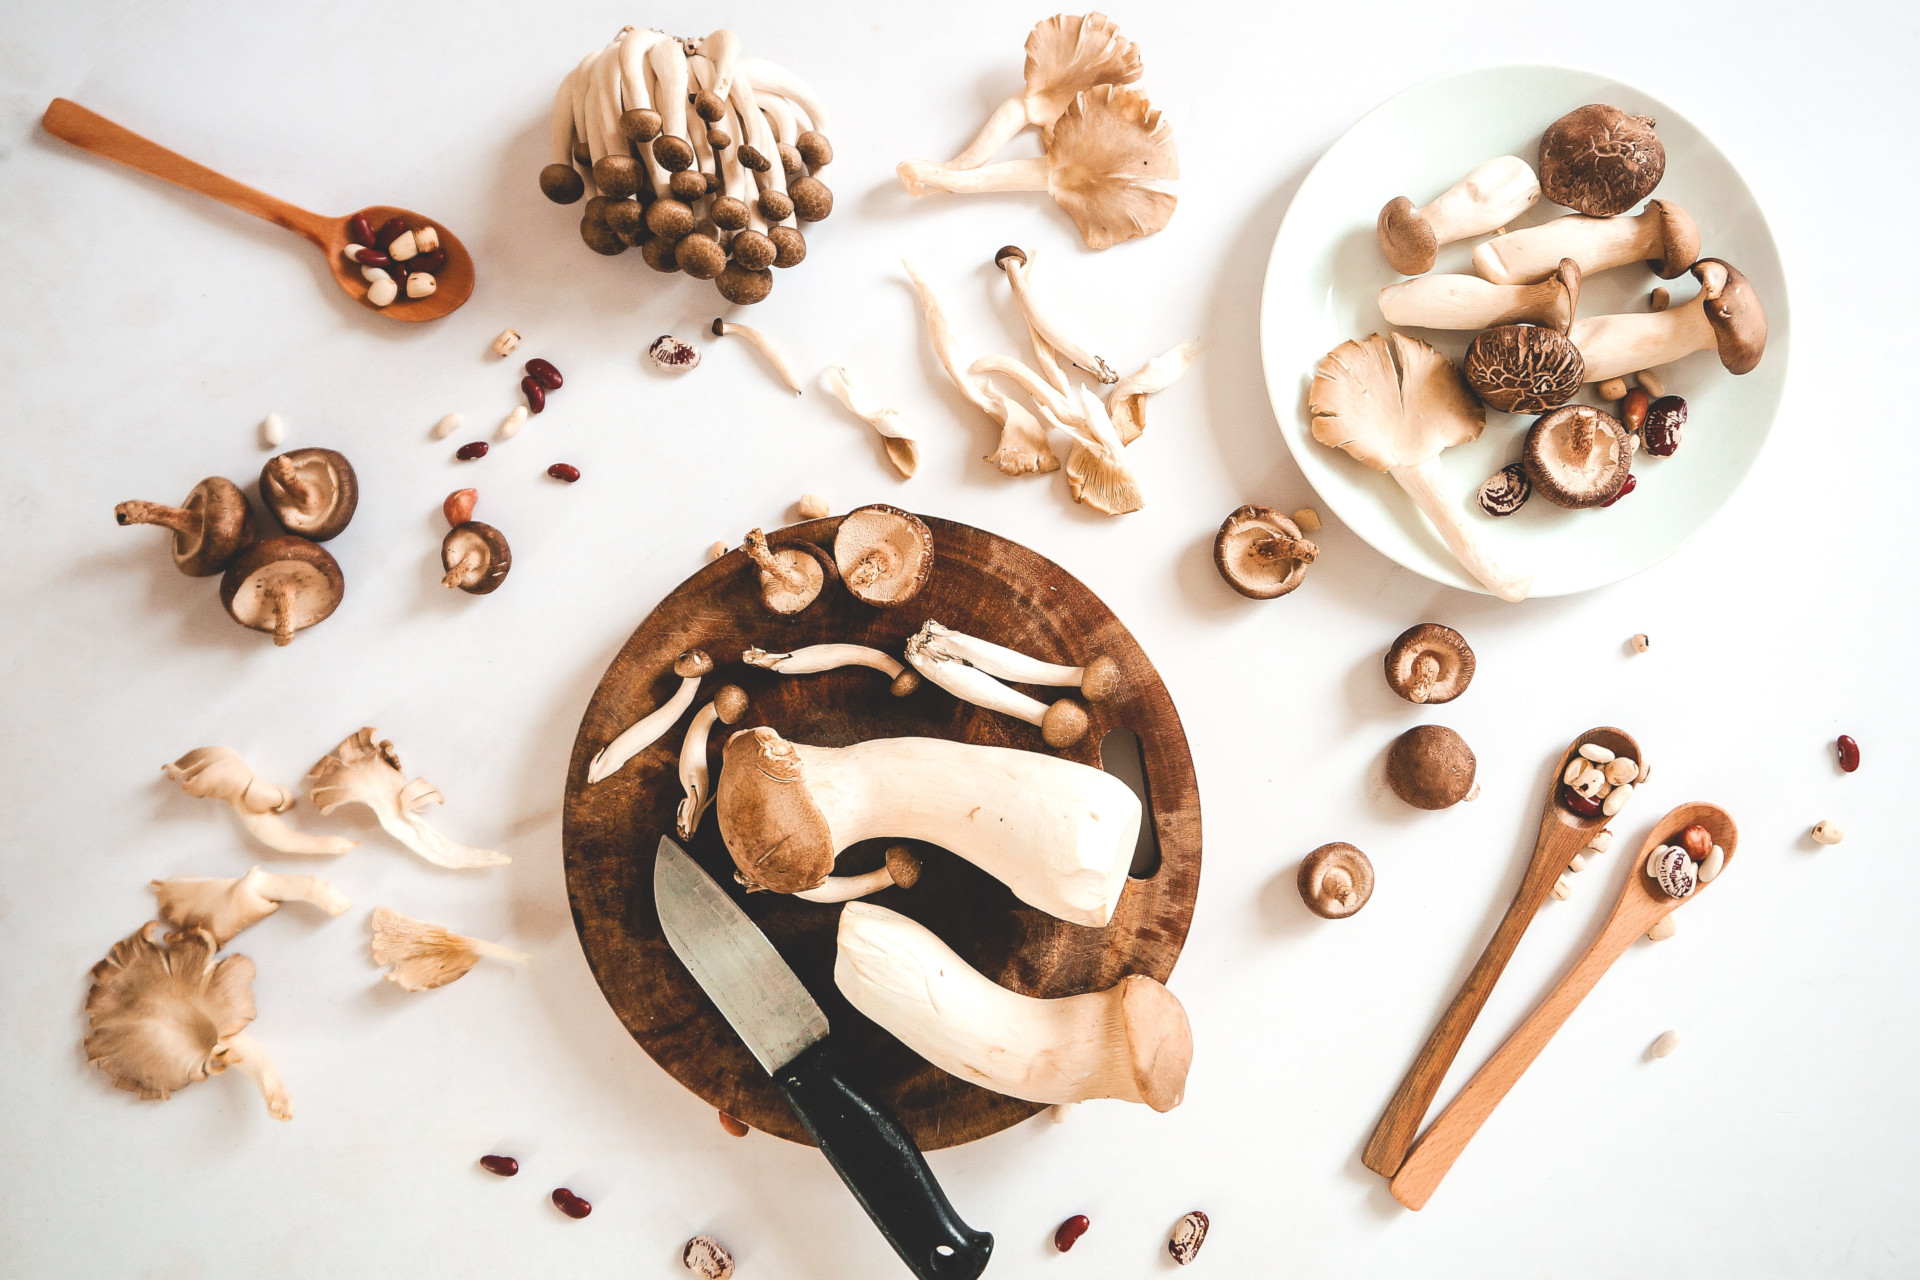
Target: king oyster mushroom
[(1065, 54), (1662, 235), (1261, 553), (476, 557), (1523, 368), (311, 492), (1491, 196), (815, 658), (1110, 163), (1430, 767), (1600, 161), (1578, 456), (1468, 302), (792, 576), (282, 585), (210, 528), (1429, 664), (1724, 317), (884, 554)]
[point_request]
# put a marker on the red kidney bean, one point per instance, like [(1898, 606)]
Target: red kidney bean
[(570, 1204), (1069, 1231), (1849, 752), (431, 263), (359, 230), (543, 372), (371, 258), (390, 230), (1573, 802), (505, 1166), (1665, 418), (562, 471), (1625, 489), (468, 452), (398, 270), (536, 394), (733, 1126)]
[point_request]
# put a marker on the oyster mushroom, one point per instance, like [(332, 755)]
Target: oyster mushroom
[(816, 658), (902, 451), (1599, 160), (1724, 317), (1429, 664), (218, 773), (691, 666), (162, 1017), (423, 956), (1578, 456), (883, 554), (1066, 54), (1662, 235), (1110, 163), (1335, 881), (1097, 470), (1490, 196), (311, 492), (1013, 261), (1393, 405), (282, 585), (1430, 767), (1468, 302), (1061, 725), (224, 907), (360, 771), (209, 529), (1127, 398), (476, 557), (790, 578), (1523, 368), (1261, 553), (1097, 681)]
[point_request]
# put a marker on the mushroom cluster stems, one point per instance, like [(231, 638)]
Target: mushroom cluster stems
[(1468, 302), (224, 907), (1726, 316), (764, 345), (1096, 680), (816, 658), (897, 438), (1663, 235), (1061, 725), (1132, 1041), (218, 773), (690, 666), (1065, 54), (423, 956), (361, 771), (1490, 196)]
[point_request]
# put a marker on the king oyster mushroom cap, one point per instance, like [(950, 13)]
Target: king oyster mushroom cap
[(1110, 162), (1430, 767), (1132, 1041), (816, 658), (311, 492), (209, 529), (1578, 456), (361, 771), (792, 576), (423, 956), (1058, 833), (1335, 880), (223, 907), (1598, 160), (282, 585), (1393, 405), (1429, 663), (1013, 261), (218, 773), (692, 666), (1065, 54), (1468, 302), (1725, 317), (1061, 725), (884, 554), (1524, 368), (1492, 195), (476, 557), (162, 1017), (1261, 553), (1662, 235)]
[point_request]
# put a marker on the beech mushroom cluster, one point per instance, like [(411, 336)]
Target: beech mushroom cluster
[(704, 158)]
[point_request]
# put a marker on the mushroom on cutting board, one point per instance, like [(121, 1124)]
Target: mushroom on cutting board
[(1097, 680), (476, 557), (1578, 456), (883, 554), (1725, 317), (209, 529), (1599, 160), (311, 492), (1492, 195), (1061, 725), (1430, 767), (1261, 553), (1429, 664), (1065, 54), (1523, 368), (791, 577), (282, 585), (1468, 302), (691, 666), (816, 658), (1662, 235), (1393, 405)]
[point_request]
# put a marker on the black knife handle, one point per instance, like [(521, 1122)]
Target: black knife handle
[(884, 1169)]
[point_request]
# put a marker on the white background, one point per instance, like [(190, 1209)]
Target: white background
[(146, 332)]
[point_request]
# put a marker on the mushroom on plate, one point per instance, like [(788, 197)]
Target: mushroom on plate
[(1429, 664), (476, 557), (1578, 456), (1065, 54), (361, 771), (210, 528), (1468, 302), (1430, 767), (1261, 553), (884, 554), (1523, 368), (1335, 881), (223, 907), (311, 492), (1662, 235), (282, 585), (1724, 317), (218, 773), (1492, 195), (691, 667), (791, 577), (1598, 160), (423, 956)]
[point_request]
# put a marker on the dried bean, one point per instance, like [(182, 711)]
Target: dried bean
[(563, 471), (1848, 752), (474, 449), (1188, 1235), (505, 1166), (1069, 1231), (535, 393), (733, 1126), (570, 1204), (359, 230), (543, 372)]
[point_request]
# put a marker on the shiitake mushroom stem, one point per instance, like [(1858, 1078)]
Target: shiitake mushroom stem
[(175, 518), (281, 594), (789, 576), (470, 560), (1282, 547), (288, 477)]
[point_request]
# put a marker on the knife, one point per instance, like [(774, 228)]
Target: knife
[(785, 1029)]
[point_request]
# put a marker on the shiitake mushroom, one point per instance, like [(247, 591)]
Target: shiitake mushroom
[(1430, 767)]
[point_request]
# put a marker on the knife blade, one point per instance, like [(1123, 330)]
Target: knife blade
[(787, 1032)]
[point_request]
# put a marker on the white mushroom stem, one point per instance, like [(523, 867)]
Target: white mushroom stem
[(1613, 346), (1126, 399), (560, 134), (1060, 725), (847, 888), (768, 78), (753, 132), (1597, 244), (764, 345), (705, 158), (603, 106), (1018, 271), (902, 451), (643, 733), (1047, 362), (581, 80), (925, 177), (693, 772), (1491, 196), (636, 93), (722, 48), (1468, 302), (1058, 402), (940, 334), (780, 118), (667, 64), (250, 1058), (823, 657), (998, 660), (1423, 484)]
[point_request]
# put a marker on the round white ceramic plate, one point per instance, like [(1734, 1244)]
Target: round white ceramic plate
[(1326, 273)]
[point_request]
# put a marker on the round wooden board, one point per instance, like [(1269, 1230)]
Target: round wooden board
[(982, 585)]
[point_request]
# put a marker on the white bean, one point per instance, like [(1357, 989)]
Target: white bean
[(272, 430), (506, 342), (1617, 800), (1602, 840), (1563, 888), (1663, 928), (421, 285), (1595, 752), (426, 239), (1827, 831), (447, 426), (403, 247), (510, 427), (1666, 1044), (1621, 770), (1579, 863), (1575, 767), (1713, 863), (382, 291)]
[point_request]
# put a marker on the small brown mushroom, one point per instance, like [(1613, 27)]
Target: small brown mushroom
[(476, 557), (903, 864), (884, 554), (814, 149), (1430, 664), (599, 234), (640, 124), (700, 256), (1261, 553), (626, 219), (311, 492), (740, 285), (1335, 881), (617, 176), (753, 251), (812, 199), (282, 585), (562, 183), (687, 186), (1599, 160), (212, 526), (730, 213), (1523, 368), (791, 577), (730, 703), (669, 218), (1430, 767), (789, 246), (660, 254), (1578, 456)]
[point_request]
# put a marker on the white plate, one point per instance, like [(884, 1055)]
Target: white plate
[(1326, 273)]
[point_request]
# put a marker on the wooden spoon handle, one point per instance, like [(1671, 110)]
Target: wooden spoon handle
[(71, 122)]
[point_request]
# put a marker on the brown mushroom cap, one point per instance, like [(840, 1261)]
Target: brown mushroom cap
[(1159, 1040), (775, 832), (789, 246), (687, 186), (640, 124), (694, 662), (1261, 553), (476, 558), (814, 149), (1680, 239), (905, 683), (1600, 161), (812, 199), (730, 703), (884, 554), (660, 254), (1100, 679), (904, 865), (1406, 238), (626, 219), (730, 213), (673, 154), (617, 176), (1578, 456), (1335, 880), (792, 576), (708, 106), (790, 162), (750, 156), (700, 256), (598, 233), (1430, 767), (562, 183), (669, 218), (753, 250), (1523, 368), (282, 585), (1429, 664), (209, 529), (311, 492), (1733, 309), (775, 206), (1064, 724), (159, 1017), (742, 287)]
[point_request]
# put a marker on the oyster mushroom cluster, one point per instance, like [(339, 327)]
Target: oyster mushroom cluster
[(704, 158)]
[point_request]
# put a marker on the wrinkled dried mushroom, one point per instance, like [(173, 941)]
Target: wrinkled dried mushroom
[(792, 576), (1599, 160), (1523, 368)]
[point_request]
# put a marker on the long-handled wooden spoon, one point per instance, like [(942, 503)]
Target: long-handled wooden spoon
[(71, 122), (1642, 904), (1562, 834)]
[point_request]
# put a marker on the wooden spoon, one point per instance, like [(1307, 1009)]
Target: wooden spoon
[(1562, 834), (71, 122), (1642, 904)]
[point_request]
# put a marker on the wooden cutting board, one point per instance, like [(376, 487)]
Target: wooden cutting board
[(981, 584)]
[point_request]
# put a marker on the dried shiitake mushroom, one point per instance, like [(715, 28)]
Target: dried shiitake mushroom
[(1430, 663), (1430, 767), (211, 527), (1600, 161), (1578, 456), (884, 554), (792, 576), (311, 492), (1523, 368), (1335, 880), (1261, 553), (282, 585), (476, 557)]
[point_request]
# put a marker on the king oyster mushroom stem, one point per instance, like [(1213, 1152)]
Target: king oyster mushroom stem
[(423, 956), (761, 343), (1097, 681), (901, 449), (225, 907), (1662, 235), (693, 772), (1058, 833), (1061, 725), (1015, 262), (1492, 195), (361, 771), (831, 657), (1127, 398), (1468, 302), (690, 666), (1065, 54), (218, 773), (1132, 1041), (1725, 317)]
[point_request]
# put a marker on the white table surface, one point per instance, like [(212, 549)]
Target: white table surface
[(146, 332)]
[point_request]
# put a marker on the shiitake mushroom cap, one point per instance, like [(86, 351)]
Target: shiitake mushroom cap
[(1429, 664), (212, 526), (1600, 161), (495, 557), (1335, 880), (885, 555), (1523, 368), (282, 585), (1567, 480), (311, 492), (1430, 767), (562, 183)]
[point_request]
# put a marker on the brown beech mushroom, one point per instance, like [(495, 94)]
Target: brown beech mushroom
[(282, 585), (1430, 767), (1430, 664), (741, 285), (476, 557), (1662, 235), (1492, 195), (211, 527), (1261, 553), (1724, 317), (884, 554), (1335, 881), (1578, 456), (1468, 302), (1523, 368), (311, 492), (790, 577), (1599, 160)]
